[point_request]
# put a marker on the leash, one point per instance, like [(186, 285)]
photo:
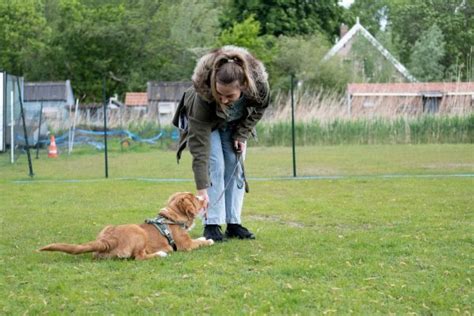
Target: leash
[(238, 159)]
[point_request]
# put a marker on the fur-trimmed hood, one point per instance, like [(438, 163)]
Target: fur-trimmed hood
[(202, 72)]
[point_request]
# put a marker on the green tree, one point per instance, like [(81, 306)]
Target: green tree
[(288, 17), (372, 13), (180, 32), (428, 52), (411, 19), (88, 45), (128, 43), (246, 34), (301, 56), (23, 36)]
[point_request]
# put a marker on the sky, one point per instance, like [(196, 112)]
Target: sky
[(346, 3)]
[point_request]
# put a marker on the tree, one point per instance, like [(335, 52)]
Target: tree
[(288, 17), (128, 43), (372, 13), (88, 45), (180, 32), (427, 55), (246, 34), (23, 34), (410, 19), (301, 56)]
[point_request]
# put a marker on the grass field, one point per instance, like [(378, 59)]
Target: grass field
[(365, 230)]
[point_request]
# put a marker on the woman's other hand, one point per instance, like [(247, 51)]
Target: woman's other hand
[(239, 146)]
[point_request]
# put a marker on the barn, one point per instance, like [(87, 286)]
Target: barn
[(163, 98), (410, 99)]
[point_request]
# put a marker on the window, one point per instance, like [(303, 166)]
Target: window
[(431, 101)]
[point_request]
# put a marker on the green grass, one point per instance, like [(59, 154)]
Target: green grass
[(363, 244), (348, 160)]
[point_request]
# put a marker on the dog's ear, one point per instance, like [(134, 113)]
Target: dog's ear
[(171, 215), (187, 205)]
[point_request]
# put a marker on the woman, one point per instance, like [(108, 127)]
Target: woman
[(216, 116)]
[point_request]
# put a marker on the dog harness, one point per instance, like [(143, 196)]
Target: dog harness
[(161, 223)]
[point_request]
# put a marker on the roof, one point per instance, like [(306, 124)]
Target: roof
[(167, 91), (47, 91), (358, 28), (136, 99), (412, 89)]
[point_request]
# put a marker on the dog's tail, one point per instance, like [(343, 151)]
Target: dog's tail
[(92, 246)]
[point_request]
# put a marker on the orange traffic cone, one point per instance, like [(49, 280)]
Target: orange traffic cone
[(52, 149)]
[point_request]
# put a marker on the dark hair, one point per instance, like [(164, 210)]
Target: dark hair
[(229, 68)]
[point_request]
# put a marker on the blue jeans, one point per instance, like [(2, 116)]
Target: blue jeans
[(225, 172)]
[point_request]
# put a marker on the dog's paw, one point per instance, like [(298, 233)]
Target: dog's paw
[(211, 242), (161, 254), (202, 238)]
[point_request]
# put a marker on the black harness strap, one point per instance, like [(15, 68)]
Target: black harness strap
[(161, 224)]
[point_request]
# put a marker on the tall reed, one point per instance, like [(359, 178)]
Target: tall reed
[(428, 129)]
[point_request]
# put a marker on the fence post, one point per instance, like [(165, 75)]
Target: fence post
[(293, 124), (39, 131), (105, 129), (22, 113), (12, 126)]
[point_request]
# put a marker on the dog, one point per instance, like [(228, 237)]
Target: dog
[(154, 238)]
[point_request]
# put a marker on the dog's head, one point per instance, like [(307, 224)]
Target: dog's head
[(183, 207)]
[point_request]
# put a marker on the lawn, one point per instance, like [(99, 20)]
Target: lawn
[(364, 230)]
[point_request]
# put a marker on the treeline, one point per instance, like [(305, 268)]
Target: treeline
[(129, 42)]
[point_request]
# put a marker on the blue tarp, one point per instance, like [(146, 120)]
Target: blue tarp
[(89, 137)]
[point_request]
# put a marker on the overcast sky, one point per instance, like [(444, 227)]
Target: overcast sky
[(346, 3)]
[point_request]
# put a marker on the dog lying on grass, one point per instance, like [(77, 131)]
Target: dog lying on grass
[(154, 238)]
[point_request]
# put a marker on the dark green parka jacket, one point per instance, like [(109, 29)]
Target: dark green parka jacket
[(198, 114)]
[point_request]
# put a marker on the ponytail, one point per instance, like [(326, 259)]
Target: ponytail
[(230, 67)]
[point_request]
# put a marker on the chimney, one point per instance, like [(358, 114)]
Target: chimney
[(343, 29)]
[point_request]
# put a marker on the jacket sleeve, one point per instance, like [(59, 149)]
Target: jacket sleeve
[(245, 127), (199, 140)]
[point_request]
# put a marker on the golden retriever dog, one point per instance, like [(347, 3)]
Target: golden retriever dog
[(154, 238)]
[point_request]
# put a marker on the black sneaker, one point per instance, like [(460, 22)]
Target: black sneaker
[(238, 231), (213, 232)]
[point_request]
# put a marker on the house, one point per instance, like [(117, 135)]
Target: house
[(410, 99), (163, 98), (351, 41), (10, 113), (55, 98), (136, 101)]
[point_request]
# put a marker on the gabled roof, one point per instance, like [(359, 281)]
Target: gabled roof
[(136, 99), (411, 89), (358, 28)]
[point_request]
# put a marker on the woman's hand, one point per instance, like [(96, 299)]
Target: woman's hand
[(203, 195), (239, 146)]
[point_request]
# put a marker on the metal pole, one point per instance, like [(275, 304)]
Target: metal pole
[(105, 129), (12, 127), (30, 166), (69, 131), (39, 131), (293, 125), (74, 126)]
